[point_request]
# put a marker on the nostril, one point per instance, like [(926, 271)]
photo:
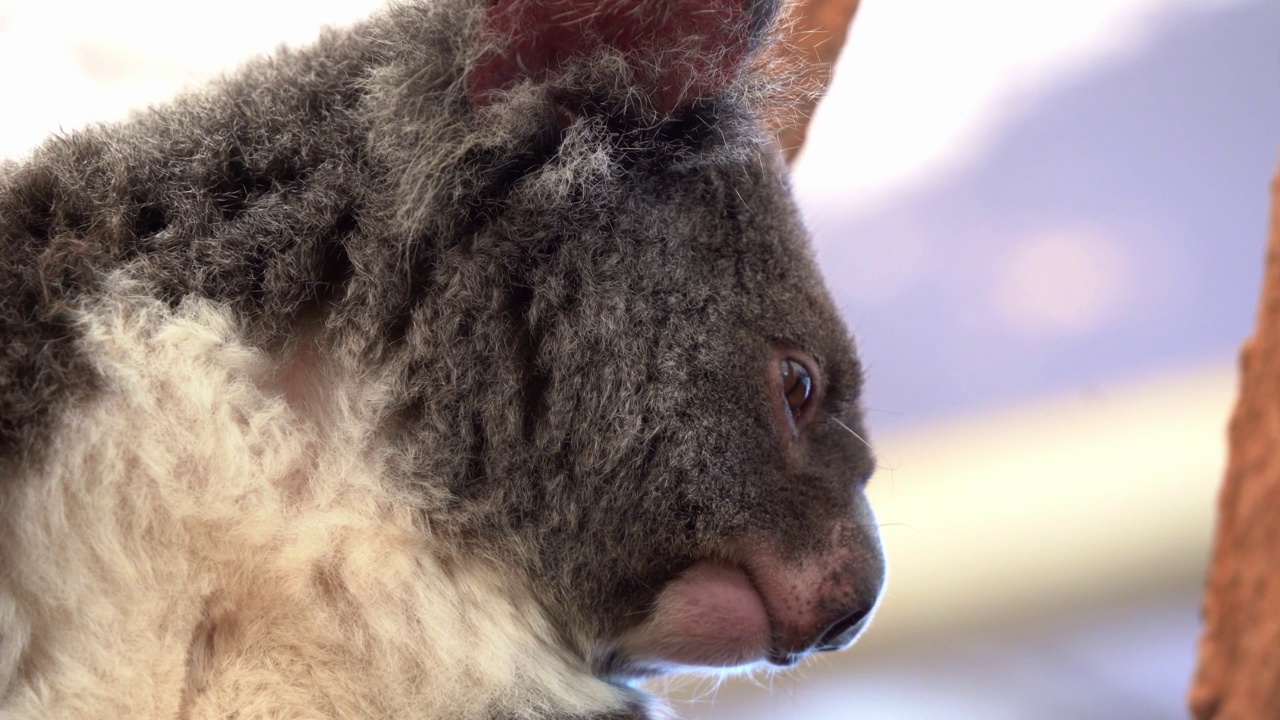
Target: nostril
[(843, 631)]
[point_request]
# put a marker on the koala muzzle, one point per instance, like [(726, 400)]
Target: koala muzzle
[(821, 601), (763, 606)]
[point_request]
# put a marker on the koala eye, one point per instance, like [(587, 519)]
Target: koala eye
[(797, 384)]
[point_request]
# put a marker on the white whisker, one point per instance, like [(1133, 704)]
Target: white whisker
[(851, 432)]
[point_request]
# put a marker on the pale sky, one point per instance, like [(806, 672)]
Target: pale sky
[(922, 84)]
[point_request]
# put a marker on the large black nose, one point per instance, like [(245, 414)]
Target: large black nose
[(842, 632)]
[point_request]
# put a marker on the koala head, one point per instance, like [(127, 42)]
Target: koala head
[(622, 354)]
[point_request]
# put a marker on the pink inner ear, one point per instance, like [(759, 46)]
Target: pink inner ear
[(540, 36)]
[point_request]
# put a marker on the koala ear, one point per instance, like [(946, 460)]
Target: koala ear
[(675, 51)]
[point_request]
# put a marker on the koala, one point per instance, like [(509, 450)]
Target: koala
[(469, 363)]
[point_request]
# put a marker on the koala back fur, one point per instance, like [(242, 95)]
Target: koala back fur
[(380, 379)]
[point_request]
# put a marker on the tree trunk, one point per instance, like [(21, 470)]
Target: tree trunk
[(1239, 673)]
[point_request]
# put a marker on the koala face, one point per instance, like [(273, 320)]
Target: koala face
[(667, 426), (689, 486), (477, 347), (756, 472)]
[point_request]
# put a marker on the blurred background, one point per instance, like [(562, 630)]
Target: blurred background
[(1046, 224)]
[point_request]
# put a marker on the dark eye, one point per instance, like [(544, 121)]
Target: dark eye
[(797, 384)]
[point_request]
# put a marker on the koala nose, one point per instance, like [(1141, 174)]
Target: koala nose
[(842, 632)]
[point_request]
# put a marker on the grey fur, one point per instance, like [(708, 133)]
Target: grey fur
[(577, 314)]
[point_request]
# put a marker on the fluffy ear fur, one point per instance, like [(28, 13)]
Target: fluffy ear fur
[(673, 53), (468, 363)]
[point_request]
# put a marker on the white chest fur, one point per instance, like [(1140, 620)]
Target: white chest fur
[(195, 548)]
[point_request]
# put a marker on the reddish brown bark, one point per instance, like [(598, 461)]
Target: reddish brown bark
[(818, 29), (1239, 673)]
